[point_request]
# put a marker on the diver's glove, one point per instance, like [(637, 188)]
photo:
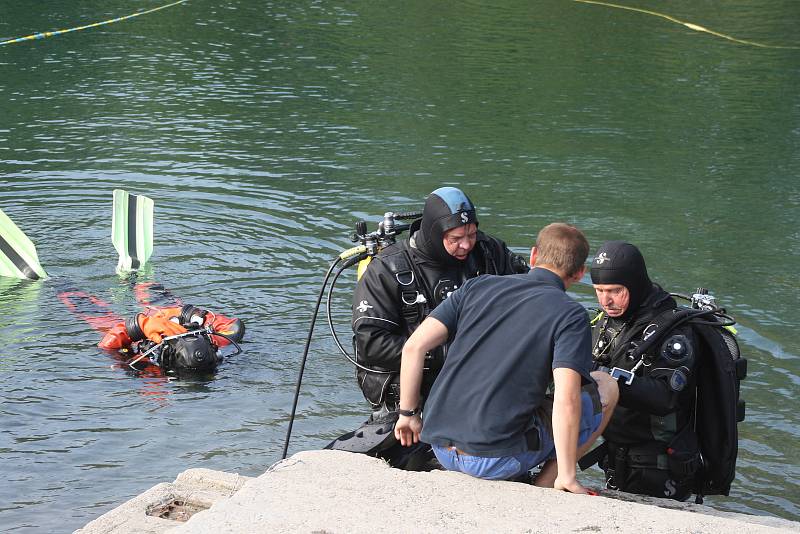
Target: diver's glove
[(154, 328)]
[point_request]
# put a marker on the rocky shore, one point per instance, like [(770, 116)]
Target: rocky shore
[(339, 492)]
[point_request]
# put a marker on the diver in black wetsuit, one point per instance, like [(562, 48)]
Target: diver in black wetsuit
[(651, 447), (400, 286)]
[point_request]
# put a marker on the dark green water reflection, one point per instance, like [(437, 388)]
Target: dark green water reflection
[(263, 131)]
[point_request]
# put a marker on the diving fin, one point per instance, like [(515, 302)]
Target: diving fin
[(132, 230), (18, 257)]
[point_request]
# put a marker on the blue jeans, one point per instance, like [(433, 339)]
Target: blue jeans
[(509, 467)]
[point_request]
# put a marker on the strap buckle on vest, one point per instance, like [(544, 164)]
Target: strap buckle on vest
[(414, 301), (685, 467), (612, 459), (619, 473), (405, 278), (411, 298), (413, 310)]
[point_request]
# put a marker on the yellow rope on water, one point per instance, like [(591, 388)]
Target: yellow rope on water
[(689, 25), (94, 25)]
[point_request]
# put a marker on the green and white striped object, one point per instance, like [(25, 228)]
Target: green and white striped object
[(18, 258), (132, 230)]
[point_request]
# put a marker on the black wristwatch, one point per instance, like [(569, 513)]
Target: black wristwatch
[(408, 413)]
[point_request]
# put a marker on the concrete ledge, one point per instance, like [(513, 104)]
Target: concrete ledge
[(339, 492), (157, 510)]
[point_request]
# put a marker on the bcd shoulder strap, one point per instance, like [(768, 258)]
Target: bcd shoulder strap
[(652, 331), (412, 294), (656, 329)]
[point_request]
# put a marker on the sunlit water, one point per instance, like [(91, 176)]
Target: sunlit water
[(264, 132)]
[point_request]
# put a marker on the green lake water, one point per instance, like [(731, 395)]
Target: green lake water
[(265, 130)]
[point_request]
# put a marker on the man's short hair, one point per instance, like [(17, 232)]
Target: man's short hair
[(562, 246)]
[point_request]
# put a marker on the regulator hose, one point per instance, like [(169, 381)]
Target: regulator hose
[(234, 343), (351, 359), (305, 356), (350, 256)]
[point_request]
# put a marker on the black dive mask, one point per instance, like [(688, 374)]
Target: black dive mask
[(195, 354)]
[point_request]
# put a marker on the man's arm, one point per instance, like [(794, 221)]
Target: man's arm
[(566, 427), (430, 334)]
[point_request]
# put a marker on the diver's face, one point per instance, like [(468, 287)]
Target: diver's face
[(458, 242), (613, 298)]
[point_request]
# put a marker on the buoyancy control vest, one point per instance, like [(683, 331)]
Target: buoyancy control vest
[(420, 293), (712, 430), (650, 445)]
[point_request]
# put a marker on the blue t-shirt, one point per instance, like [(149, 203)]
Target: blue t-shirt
[(507, 335)]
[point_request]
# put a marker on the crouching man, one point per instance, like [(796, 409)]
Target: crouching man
[(511, 337)]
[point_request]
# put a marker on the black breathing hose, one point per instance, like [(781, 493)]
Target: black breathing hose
[(351, 257), (305, 356), (235, 344), (338, 343), (678, 319)]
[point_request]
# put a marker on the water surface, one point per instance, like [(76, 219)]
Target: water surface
[(265, 131)]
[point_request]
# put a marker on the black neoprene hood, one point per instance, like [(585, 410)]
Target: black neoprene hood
[(445, 209), (618, 262)]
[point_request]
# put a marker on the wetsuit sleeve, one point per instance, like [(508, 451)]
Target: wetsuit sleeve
[(649, 395), (505, 261), (660, 391), (379, 330)]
